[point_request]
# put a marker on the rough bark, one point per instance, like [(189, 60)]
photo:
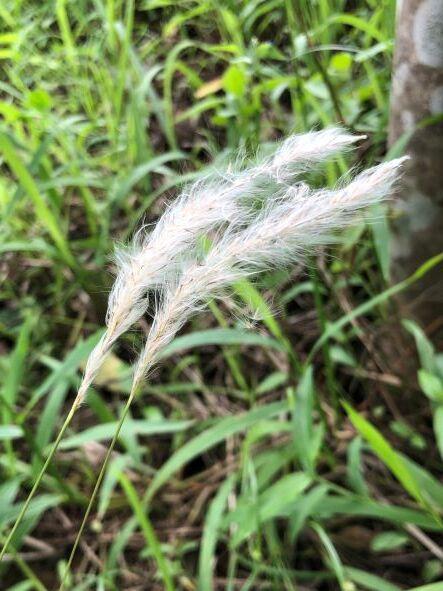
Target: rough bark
[(417, 96)]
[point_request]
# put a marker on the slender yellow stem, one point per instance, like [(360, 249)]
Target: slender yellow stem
[(39, 477), (100, 477)]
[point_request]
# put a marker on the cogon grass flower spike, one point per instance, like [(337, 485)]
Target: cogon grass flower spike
[(284, 231), (225, 199), (153, 257)]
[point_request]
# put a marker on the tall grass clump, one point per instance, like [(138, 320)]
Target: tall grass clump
[(245, 239)]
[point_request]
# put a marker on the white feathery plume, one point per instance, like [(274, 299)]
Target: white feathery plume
[(311, 147), (281, 234), (207, 204), (293, 220)]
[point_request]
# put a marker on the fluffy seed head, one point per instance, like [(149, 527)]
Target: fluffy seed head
[(226, 199), (282, 233)]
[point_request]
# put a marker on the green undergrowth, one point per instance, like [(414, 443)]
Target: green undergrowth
[(292, 438)]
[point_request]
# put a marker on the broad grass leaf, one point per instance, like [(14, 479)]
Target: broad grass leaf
[(16, 365), (211, 530), (358, 23), (275, 501), (388, 540), (221, 337), (431, 385), (235, 81), (425, 348), (269, 463), (8, 432), (272, 382), (303, 509), (386, 453), (381, 236), (354, 467), (438, 586), (430, 487), (135, 427), (307, 436), (369, 581), (209, 438), (438, 428), (333, 557), (148, 532), (354, 505), (37, 506)]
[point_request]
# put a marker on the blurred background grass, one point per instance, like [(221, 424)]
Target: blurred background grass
[(240, 467)]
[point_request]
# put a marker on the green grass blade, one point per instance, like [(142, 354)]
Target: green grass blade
[(334, 558), (335, 327), (134, 427), (369, 581), (386, 453), (438, 586), (209, 438), (66, 33), (213, 520), (222, 337), (148, 532), (42, 210)]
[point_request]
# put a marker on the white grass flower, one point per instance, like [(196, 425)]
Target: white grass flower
[(292, 221), (282, 233), (153, 257)]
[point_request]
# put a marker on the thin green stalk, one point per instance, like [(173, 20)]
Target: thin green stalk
[(100, 477), (335, 327), (229, 355), (71, 493), (123, 61), (329, 368), (38, 479), (148, 531), (27, 571), (66, 33)]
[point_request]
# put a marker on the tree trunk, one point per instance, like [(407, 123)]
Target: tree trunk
[(416, 103)]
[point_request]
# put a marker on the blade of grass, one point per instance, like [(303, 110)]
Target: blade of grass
[(369, 581), (212, 436), (334, 558), (335, 327), (148, 532), (386, 453), (13, 378), (66, 33), (210, 534), (42, 210)]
